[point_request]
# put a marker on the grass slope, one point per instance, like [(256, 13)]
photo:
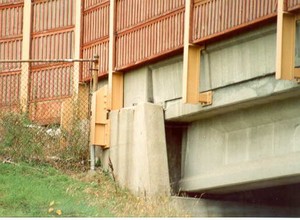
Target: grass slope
[(28, 191)]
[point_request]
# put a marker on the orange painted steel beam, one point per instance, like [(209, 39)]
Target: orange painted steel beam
[(205, 98), (297, 73), (285, 43), (100, 131)]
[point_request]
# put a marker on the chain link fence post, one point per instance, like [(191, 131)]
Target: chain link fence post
[(41, 107), (94, 78)]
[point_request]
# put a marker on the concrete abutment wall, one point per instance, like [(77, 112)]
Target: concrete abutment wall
[(138, 149), (248, 139)]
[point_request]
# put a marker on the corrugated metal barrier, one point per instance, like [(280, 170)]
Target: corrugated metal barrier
[(214, 17), (142, 36), (96, 23)]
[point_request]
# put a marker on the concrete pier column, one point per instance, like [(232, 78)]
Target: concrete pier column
[(138, 149)]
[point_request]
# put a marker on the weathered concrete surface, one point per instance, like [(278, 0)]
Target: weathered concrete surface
[(254, 147), (235, 143), (167, 80), (156, 83), (138, 149), (242, 95), (212, 208), (138, 87), (102, 83), (297, 57), (239, 58)]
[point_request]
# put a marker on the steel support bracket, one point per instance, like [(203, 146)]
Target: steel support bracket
[(205, 98), (297, 74)]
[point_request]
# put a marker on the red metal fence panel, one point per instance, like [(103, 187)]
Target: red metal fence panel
[(95, 34), (52, 29), (10, 49), (53, 37), (49, 15), (101, 49), (53, 45), (132, 12), (10, 2), (142, 36), (11, 28), (11, 20), (51, 82), (9, 88), (214, 17), (293, 4), (96, 23), (145, 29), (87, 4)]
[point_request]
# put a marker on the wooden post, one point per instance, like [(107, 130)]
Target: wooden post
[(191, 66), (26, 43), (115, 79), (186, 41), (285, 48), (77, 47), (117, 91)]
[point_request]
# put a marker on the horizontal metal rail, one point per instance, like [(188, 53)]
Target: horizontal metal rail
[(50, 61)]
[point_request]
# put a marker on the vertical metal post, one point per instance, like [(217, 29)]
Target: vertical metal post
[(92, 155), (95, 72), (94, 79)]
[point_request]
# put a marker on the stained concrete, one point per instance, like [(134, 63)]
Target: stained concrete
[(138, 87), (297, 56), (212, 208), (167, 80), (244, 149), (247, 139), (156, 83), (237, 96), (138, 149), (242, 57)]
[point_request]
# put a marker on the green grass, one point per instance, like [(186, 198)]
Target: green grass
[(37, 190), (27, 191)]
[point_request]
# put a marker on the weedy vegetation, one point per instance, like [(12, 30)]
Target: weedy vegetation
[(44, 173)]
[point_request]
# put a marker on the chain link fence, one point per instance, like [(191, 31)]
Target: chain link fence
[(45, 109)]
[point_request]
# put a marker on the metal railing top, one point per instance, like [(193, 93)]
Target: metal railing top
[(95, 59)]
